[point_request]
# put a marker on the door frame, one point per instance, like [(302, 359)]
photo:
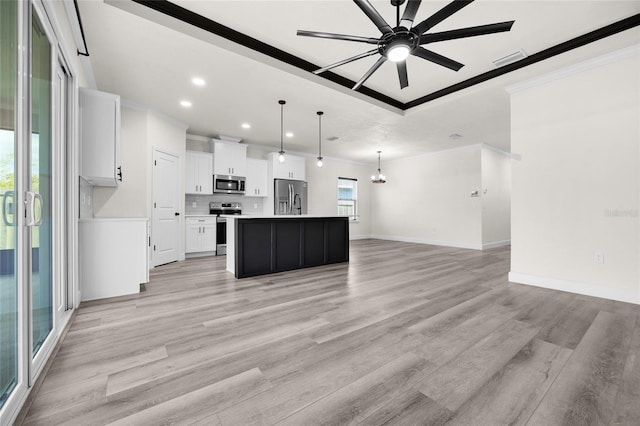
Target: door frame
[(179, 239), (29, 368)]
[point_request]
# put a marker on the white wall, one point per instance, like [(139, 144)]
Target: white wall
[(129, 199), (496, 197), (427, 199), (323, 191), (576, 188)]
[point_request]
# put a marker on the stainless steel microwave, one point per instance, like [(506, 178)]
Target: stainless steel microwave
[(228, 184)]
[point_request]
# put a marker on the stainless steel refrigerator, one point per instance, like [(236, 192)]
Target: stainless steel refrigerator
[(290, 197)]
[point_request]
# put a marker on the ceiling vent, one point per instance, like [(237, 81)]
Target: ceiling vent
[(454, 136), (332, 138), (228, 138), (509, 59)]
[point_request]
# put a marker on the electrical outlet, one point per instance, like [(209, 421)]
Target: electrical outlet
[(255, 205), (598, 257), (194, 204)]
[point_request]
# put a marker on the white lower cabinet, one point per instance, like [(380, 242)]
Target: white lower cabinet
[(113, 257), (200, 234)]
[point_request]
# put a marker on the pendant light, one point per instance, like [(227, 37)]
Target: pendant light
[(281, 156), (379, 178), (319, 163)]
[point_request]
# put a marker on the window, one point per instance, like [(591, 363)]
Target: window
[(348, 197)]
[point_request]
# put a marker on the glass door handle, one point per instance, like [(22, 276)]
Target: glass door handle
[(33, 198), (8, 202)]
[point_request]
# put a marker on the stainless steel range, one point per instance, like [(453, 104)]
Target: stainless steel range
[(216, 208)]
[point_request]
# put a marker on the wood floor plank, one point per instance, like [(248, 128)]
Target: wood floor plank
[(512, 394), (585, 390), (198, 346), (409, 409), (458, 380), (627, 409), (444, 344), (200, 404), (357, 400), (132, 377)]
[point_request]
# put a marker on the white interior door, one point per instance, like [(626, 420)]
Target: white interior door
[(167, 185)]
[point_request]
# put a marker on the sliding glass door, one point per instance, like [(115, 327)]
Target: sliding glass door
[(39, 200), (36, 94), (8, 240)]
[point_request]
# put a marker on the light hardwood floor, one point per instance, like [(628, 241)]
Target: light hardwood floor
[(404, 334)]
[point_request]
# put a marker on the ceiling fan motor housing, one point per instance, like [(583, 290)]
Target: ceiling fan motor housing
[(399, 36)]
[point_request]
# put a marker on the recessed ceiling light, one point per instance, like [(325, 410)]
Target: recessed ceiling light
[(289, 134), (198, 81), (246, 125), (185, 104)]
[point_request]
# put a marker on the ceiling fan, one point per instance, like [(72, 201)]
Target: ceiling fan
[(396, 44)]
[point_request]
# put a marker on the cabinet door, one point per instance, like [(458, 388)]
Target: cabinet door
[(205, 173), (293, 167), (222, 158), (208, 236), (193, 237), (100, 137), (297, 168), (191, 174), (229, 159), (256, 184), (239, 160)]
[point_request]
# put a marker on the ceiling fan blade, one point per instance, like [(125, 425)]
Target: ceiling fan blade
[(337, 36), (466, 32), (436, 58), (410, 13), (402, 74), (441, 15), (373, 69), (346, 61), (373, 14)]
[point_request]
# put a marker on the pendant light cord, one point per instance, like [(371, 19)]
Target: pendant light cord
[(320, 133), (281, 125)]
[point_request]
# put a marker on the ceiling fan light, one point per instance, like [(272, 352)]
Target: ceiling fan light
[(398, 53)]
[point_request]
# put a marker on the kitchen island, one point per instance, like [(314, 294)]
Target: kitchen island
[(258, 245)]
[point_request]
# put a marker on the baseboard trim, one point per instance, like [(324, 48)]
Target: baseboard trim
[(496, 244), (454, 244), (576, 287), (360, 237)]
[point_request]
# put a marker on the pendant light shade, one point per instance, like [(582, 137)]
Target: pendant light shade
[(379, 178), (319, 138), (281, 156)]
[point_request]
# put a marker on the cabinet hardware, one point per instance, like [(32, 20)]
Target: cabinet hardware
[(119, 173), (176, 214)]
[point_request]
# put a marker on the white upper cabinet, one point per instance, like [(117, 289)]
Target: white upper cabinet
[(229, 159), (100, 137), (293, 167), (256, 183), (199, 173)]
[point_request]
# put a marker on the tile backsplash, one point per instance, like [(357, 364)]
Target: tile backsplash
[(250, 205)]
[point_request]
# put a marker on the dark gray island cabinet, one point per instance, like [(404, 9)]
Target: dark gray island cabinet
[(258, 245)]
